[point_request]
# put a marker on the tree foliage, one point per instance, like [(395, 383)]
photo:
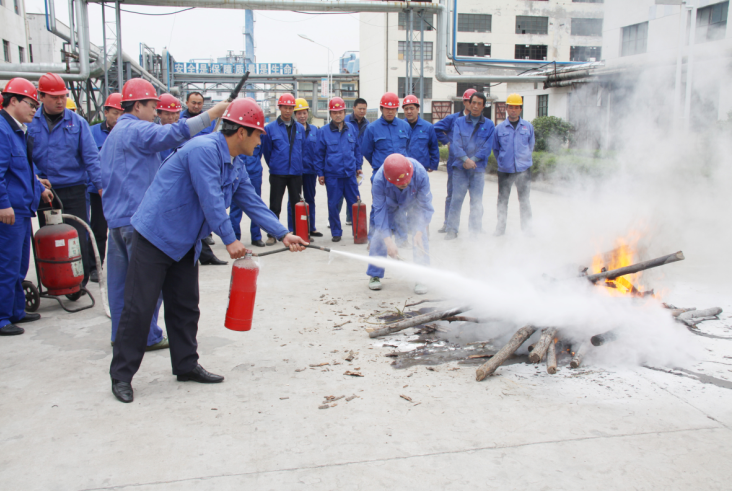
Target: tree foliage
[(551, 133)]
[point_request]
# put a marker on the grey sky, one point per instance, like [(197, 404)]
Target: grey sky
[(204, 33)]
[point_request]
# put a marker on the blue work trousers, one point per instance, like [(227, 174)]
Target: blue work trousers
[(378, 248), (449, 193), (235, 214), (119, 251), (464, 180), (14, 257), (349, 210), (339, 188), (309, 181)]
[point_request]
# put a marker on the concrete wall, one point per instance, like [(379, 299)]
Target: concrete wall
[(46, 46)]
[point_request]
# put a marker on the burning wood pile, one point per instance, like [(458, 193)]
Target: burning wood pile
[(615, 271)]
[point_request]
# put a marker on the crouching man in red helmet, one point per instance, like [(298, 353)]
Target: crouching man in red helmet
[(204, 178), (402, 203)]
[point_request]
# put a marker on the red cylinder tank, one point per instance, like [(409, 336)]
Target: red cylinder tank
[(59, 258), (360, 223), (302, 220), (242, 292)]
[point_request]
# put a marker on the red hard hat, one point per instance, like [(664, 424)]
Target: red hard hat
[(390, 99), (336, 104), (468, 94), (21, 86), (245, 112), (52, 84), (169, 103), (398, 169), (410, 99), (286, 100), (114, 100), (138, 89)]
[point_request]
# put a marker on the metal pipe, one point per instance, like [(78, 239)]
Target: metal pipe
[(105, 94), (690, 69), (298, 5), (72, 26), (421, 65), (679, 61), (118, 21)]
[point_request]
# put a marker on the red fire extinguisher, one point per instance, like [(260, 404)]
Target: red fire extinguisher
[(59, 256), (302, 220), (242, 292), (360, 223)]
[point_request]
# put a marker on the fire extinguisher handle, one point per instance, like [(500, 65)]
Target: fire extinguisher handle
[(50, 207)]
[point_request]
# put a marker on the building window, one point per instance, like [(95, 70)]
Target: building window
[(415, 50), (711, 22), (500, 110), (429, 21), (474, 23), (322, 104), (463, 86), (531, 52), (6, 50), (30, 52), (21, 54), (635, 39), (401, 91), (17, 7), (526, 24), (474, 49), (585, 53), (348, 90), (586, 27), (542, 105)]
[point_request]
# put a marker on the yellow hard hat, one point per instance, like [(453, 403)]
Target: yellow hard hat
[(515, 100), (301, 104), (70, 104)]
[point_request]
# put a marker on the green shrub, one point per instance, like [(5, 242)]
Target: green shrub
[(551, 133), (444, 151)]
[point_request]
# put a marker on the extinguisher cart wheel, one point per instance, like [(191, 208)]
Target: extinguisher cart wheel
[(32, 296)]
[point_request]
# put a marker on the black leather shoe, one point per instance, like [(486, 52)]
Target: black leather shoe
[(122, 391), (259, 243), (29, 317), (11, 330), (214, 261), (208, 240), (200, 375), (94, 276), (336, 239), (315, 233)]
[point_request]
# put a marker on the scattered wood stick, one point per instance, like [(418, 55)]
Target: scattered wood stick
[(510, 348), (460, 318), (606, 337), (678, 312), (579, 354), (416, 321), (426, 300), (547, 337), (341, 325), (693, 317), (635, 268), (551, 358)]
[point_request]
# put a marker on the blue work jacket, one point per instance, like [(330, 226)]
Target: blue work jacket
[(423, 146), (189, 197), (130, 160), (309, 144), (253, 163), (382, 139), (338, 152), (68, 155), (443, 129), (474, 141), (415, 200), (99, 132), (513, 148), (350, 118), (20, 189), (284, 157), (206, 131)]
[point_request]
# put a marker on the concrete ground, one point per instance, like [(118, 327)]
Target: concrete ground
[(591, 428)]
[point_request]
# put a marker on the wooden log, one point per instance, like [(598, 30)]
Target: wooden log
[(551, 358), (461, 318), (635, 268), (542, 346), (416, 321), (510, 348), (711, 312), (606, 337), (579, 354)]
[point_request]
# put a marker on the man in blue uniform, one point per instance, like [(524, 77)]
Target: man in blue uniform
[(20, 195), (423, 144), (309, 172), (66, 154), (169, 108), (130, 160), (194, 107), (282, 150), (358, 116), (513, 148), (443, 129), (338, 161), (472, 142), (383, 137), (401, 185), (253, 165), (205, 178), (97, 222)]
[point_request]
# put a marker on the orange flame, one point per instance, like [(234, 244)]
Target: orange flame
[(624, 254)]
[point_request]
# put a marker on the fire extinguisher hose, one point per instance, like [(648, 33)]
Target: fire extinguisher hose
[(100, 270)]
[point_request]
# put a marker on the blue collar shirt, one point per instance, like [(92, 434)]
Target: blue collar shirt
[(338, 153), (383, 138), (513, 147), (423, 145)]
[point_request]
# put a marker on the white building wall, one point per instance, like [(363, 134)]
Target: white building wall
[(13, 29), (46, 46)]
